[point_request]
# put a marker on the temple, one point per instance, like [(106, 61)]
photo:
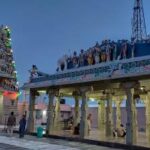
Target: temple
[(8, 76), (110, 72)]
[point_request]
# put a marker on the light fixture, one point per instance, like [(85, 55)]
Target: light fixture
[(44, 132), (142, 88), (92, 88), (92, 99), (42, 91), (44, 112), (15, 71)]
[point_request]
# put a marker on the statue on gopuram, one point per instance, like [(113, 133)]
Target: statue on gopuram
[(90, 57), (124, 50), (81, 58), (75, 60)]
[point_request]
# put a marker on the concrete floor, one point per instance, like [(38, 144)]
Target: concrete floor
[(97, 135), (10, 147), (33, 143), (142, 140)]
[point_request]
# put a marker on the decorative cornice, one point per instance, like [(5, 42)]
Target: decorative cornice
[(134, 67)]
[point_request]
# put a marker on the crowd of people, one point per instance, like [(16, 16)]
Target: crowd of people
[(11, 123), (104, 52)]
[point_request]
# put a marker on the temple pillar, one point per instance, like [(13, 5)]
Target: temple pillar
[(147, 106), (50, 112), (135, 124), (57, 114), (131, 125), (76, 111), (109, 116), (31, 119), (118, 112), (83, 121), (101, 115), (1, 109)]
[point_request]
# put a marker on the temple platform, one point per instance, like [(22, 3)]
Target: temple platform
[(97, 135)]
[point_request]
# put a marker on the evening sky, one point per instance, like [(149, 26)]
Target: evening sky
[(45, 30)]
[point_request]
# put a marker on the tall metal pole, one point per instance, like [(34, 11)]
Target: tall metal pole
[(138, 22)]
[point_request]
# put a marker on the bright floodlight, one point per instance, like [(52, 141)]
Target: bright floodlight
[(44, 112)]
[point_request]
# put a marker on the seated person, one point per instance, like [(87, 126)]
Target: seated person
[(70, 123), (77, 129), (120, 132), (115, 132)]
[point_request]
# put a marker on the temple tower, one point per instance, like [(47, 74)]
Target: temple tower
[(8, 76)]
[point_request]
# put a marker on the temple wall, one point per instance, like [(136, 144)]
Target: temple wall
[(6, 107), (140, 116), (94, 111)]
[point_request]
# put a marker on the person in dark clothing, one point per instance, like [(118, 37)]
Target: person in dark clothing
[(11, 122), (77, 129), (22, 126), (70, 123)]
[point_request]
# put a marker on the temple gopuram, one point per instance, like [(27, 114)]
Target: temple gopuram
[(111, 72), (8, 76)]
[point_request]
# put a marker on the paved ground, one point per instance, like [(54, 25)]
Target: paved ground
[(7, 147), (97, 135), (33, 143)]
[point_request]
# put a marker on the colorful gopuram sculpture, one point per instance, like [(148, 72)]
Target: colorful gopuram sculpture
[(9, 88)]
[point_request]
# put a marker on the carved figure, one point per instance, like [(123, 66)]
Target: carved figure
[(81, 58), (114, 51), (97, 58), (108, 52), (75, 60), (62, 63), (132, 50), (33, 71), (124, 50), (90, 59)]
